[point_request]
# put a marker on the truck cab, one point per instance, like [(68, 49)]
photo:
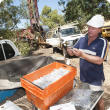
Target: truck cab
[(66, 36), (106, 29), (7, 50)]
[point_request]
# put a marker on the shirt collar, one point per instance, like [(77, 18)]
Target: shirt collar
[(86, 37)]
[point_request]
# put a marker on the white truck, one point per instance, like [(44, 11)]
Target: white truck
[(66, 35), (8, 50)]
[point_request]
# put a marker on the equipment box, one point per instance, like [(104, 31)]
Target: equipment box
[(6, 93), (44, 98)]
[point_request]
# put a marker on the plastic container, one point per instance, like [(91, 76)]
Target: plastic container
[(6, 93), (44, 98)]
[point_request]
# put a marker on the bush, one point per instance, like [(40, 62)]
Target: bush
[(23, 47), (6, 34)]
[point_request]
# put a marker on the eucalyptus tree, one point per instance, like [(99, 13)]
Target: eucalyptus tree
[(83, 10), (10, 16), (51, 17)]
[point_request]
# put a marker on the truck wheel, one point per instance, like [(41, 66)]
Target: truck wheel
[(65, 54)]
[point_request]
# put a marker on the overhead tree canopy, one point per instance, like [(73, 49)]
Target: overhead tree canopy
[(10, 15), (83, 10), (51, 18)]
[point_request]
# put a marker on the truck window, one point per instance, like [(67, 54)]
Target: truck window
[(1, 54), (9, 52), (70, 31)]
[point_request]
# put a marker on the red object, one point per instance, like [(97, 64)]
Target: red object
[(29, 33), (34, 16), (34, 21)]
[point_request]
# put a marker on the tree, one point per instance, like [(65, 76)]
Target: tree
[(83, 10), (108, 5), (10, 15), (6, 34), (51, 18)]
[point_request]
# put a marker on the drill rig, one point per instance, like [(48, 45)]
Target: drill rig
[(35, 25)]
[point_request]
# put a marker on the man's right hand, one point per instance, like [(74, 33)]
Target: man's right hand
[(70, 51)]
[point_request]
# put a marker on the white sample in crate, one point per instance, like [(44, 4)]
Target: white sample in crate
[(50, 78)]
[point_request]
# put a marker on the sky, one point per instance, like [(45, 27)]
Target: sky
[(51, 3)]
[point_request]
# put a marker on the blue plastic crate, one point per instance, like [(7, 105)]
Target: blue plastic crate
[(6, 93)]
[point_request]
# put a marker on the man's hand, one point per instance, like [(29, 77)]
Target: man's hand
[(70, 51), (77, 52), (74, 51)]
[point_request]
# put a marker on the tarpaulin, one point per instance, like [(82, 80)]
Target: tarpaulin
[(12, 69)]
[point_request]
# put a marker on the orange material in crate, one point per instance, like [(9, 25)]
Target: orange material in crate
[(44, 98)]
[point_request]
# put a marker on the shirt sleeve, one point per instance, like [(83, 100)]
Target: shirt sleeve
[(103, 49), (77, 44)]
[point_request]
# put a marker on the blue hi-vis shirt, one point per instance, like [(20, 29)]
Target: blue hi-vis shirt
[(89, 72)]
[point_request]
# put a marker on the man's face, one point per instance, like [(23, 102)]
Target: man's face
[(93, 32)]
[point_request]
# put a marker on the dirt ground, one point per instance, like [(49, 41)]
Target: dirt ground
[(74, 61)]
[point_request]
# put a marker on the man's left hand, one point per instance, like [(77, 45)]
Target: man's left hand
[(77, 52)]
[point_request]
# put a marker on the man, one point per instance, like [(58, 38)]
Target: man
[(92, 50)]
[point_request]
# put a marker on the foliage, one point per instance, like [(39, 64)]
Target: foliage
[(27, 25), (51, 18), (10, 15), (108, 5), (23, 47), (36, 33), (83, 10), (6, 34)]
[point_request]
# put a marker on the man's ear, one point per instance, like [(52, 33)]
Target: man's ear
[(100, 30)]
